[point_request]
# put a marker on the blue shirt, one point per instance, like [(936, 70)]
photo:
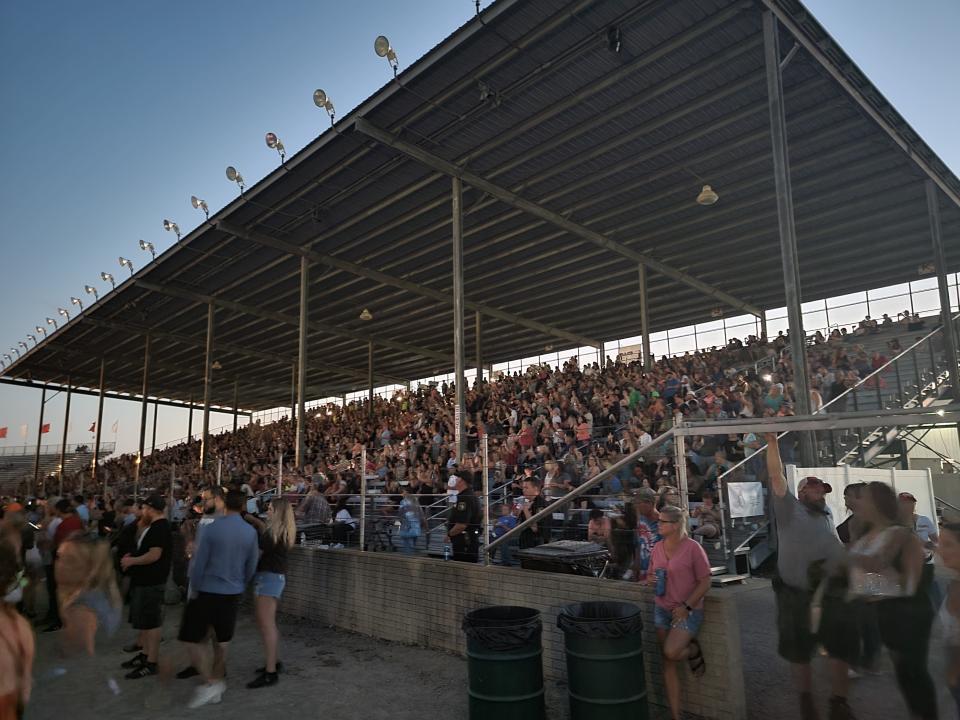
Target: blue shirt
[(225, 557)]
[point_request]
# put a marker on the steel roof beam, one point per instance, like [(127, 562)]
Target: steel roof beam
[(514, 200), (387, 279)]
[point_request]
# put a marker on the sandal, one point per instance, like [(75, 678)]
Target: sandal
[(698, 666)]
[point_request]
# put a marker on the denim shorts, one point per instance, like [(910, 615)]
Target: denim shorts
[(663, 620), (269, 584)]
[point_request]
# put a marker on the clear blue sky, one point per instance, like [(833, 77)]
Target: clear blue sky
[(114, 113)]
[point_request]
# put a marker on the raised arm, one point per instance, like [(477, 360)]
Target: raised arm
[(778, 481)]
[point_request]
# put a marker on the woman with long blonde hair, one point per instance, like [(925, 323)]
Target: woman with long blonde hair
[(277, 536), (88, 592)]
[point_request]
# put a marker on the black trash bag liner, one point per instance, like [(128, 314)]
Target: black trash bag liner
[(605, 620), (503, 628)]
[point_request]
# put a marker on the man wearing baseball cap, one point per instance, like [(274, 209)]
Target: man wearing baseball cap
[(924, 529), (809, 553)]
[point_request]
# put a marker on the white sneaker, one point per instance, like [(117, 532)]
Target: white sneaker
[(207, 693)]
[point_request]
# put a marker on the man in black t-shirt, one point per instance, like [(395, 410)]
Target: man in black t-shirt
[(148, 567)]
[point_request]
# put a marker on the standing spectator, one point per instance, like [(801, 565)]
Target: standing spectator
[(464, 523), (849, 531), (925, 530), (949, 550), (682, 574), (809, 547), (530, 503), (66, 526), (88, 586), (277, 536), (16, 642), (148, 566), (411, 518), (886, 569), (224, 561), (647, 532)]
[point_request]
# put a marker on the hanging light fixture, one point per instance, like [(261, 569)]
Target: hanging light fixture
[(199, 204), (148, 246), (366, 315), (273, 142), (235, 177), (707, 196), (321, 100), (382, 47)]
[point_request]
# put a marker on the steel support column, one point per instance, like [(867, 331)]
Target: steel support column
[(153, 430), (207, 383), (763, 326), (644, 319), (788, 231), (302, 360), (940, 261), (190, 422), (63, 443), (236, 400), (458, 343), (143, 415), (479, 344), (36, 457), (293, 392), (370, 378), (99, 426)]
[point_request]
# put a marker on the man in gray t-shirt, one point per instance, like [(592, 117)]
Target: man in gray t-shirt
[(810, 553)]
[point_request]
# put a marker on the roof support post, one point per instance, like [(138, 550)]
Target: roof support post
[(763, 326), (477, 342), (36, 457), (63, 443), (302, 359), (458, 338), (236, 400), (207, 387), (143, 415), (99, 426), (153, 429), (644, 319), (512, 199), (940, 261), (788, 230), (370, 378), (190, 422)]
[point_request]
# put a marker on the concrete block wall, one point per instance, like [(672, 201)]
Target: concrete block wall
[(421, 601)]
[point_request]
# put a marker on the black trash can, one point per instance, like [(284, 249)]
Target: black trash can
[(604, 647), (504, 663)]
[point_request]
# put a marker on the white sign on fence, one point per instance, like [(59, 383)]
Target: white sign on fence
[(746, 499)]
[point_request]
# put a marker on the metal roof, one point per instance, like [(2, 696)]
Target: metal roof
[(530, 96)]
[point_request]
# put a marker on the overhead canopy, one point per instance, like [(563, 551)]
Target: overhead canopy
[(608, 115)]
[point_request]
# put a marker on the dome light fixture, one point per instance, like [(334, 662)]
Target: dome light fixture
[(321, 100), (199, 204), (382, 47), (91, 290), (366, 315), (274, 143), (107, 277), (235, 177), (707, 196), (148, 246)]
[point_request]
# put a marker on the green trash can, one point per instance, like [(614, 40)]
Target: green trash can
[(504, 663), (605, 677)]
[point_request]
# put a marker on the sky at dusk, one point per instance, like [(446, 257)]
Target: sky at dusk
[(115, 113)]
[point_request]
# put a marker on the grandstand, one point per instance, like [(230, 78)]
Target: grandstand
[(19, 464)]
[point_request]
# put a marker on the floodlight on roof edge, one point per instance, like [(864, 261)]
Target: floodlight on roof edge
[(63, 312), (76, 301), (274, 143), (148, 246), (25, 347), (32, 337), (16, 351), (126, 263), (91, 290), (107, 277), (42, 330), (321, 100), (199, 204), (51, 321), (235, 177), (382, 47), (707, 196), (9, 358), (172, 227)]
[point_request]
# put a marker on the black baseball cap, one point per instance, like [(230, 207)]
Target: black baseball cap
[(157, 502)]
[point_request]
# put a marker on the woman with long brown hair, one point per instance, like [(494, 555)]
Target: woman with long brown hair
[(89, 595), (277, 536)]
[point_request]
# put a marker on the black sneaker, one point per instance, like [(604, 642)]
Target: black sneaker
[(261, 671), (53, 628), (132, 648), (187, 673), (145, 670), (134, 662), (264, 680)]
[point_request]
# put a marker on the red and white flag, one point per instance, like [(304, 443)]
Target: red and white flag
[(3, 433), (45, 428)]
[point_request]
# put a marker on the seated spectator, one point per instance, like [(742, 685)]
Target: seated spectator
[(709, 516), (314, 508), (598, 527)]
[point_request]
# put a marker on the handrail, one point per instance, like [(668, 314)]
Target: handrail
[(580, 490), (947, 504)]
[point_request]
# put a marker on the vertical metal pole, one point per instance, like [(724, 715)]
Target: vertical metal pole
[(207, 383), (153, 438), (219, 470), (644, 319), (363, 498), (173, 480), (293, 393), (896, 366), (940, 261), (63, 444), (788, 231), (280, 474), (236, 401), (370, 378), (457, 207), (36, 457), (143, 415), (302, 361), (763, 326), (680, 460), (484, 445), (190, 422), (98, 427), (479, 348)]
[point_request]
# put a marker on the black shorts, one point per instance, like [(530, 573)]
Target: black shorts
[(146, 606), (838, 631), (209, 611)]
